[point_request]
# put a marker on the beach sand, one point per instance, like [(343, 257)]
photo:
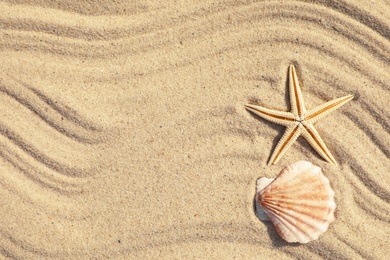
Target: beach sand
[(124, 135)]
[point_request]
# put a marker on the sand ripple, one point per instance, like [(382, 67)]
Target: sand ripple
[(123, 131)]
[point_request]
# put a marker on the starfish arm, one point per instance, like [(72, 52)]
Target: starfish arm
[(315, 140), (277, 117), (290, 135), (319, 112), (296, 98)]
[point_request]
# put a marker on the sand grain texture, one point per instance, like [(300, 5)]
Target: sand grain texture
[(123, 132)]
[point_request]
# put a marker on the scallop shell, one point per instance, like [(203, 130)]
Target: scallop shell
[(299, 202)]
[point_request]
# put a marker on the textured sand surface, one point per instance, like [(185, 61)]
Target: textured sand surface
[(123, 131)]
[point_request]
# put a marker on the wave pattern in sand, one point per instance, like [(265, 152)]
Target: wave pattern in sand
[(161, 157)]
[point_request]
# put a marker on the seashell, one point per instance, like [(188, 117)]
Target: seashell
[(299, 202)]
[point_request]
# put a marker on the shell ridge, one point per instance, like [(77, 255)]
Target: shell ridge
[(307, 227), (291, 183), (282, 221), (302, 198), (289, 224), (289, 189), (302, 214), (317, 193), (308, 208)]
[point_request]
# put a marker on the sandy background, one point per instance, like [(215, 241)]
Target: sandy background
[(123, 131)]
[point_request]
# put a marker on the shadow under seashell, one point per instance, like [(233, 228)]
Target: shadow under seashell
[(299, 202)]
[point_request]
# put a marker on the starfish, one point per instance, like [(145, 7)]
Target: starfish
[(299, 121)]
